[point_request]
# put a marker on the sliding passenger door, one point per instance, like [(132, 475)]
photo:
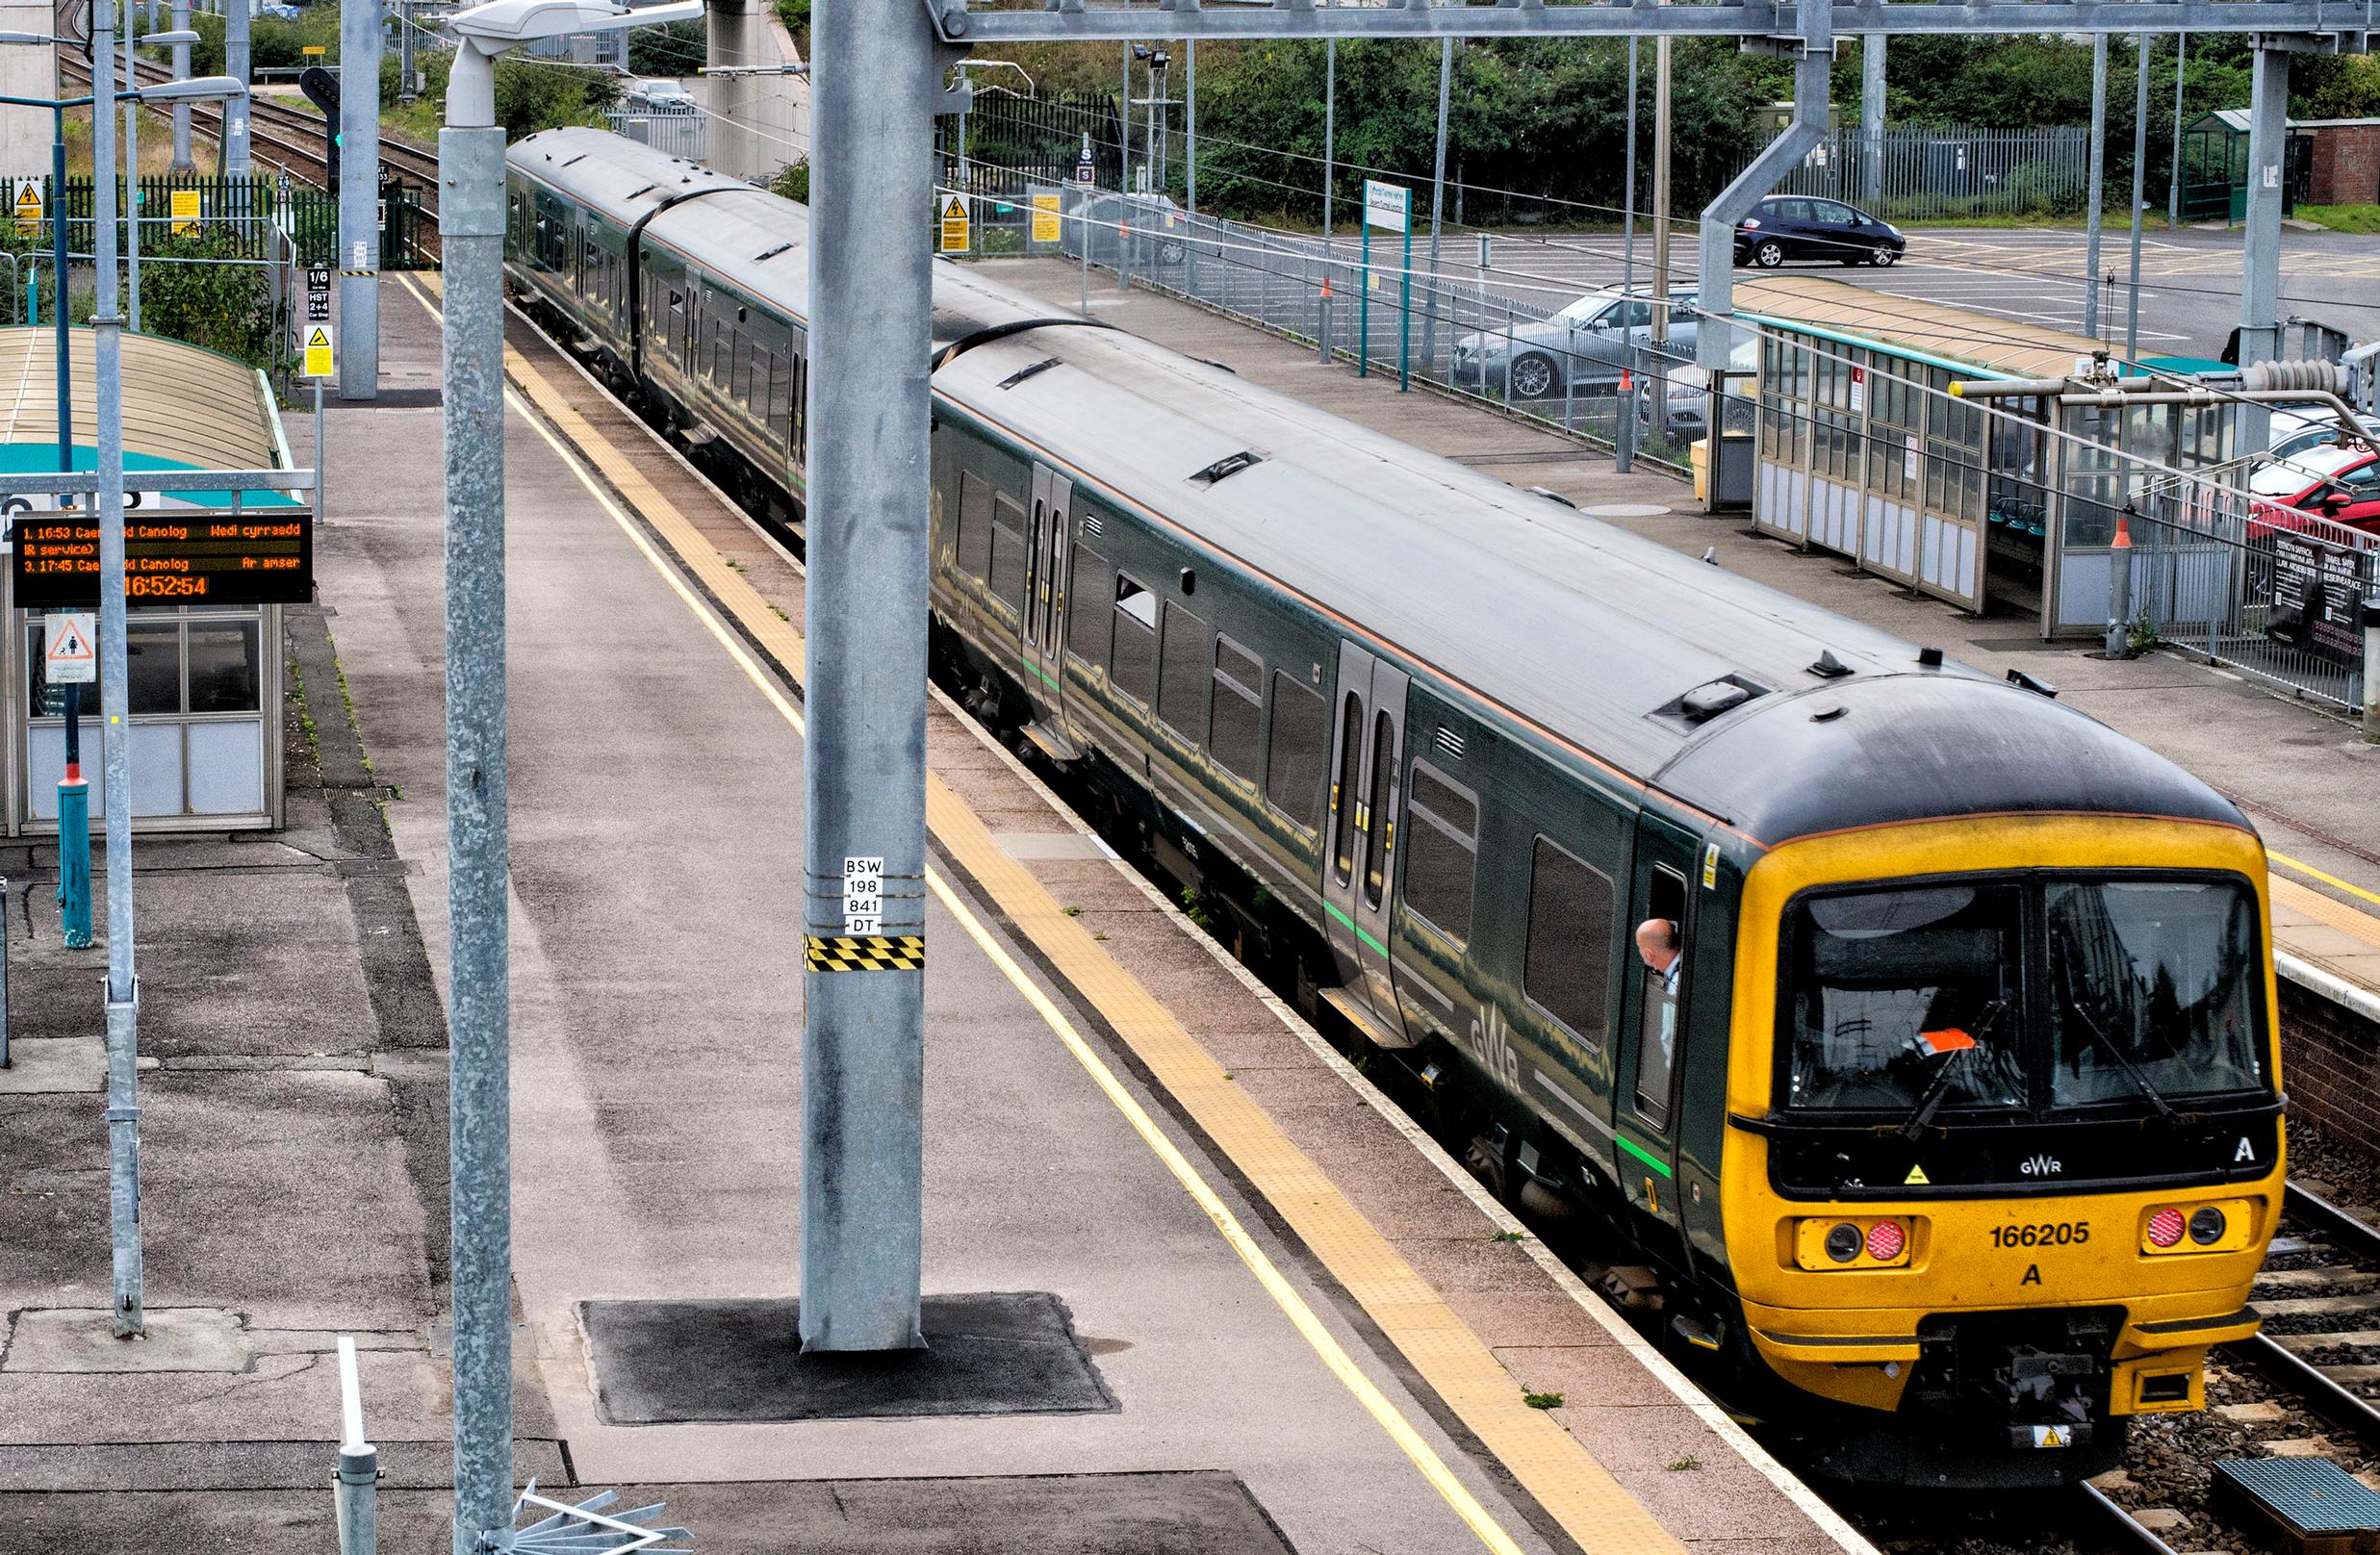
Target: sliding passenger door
[(1359, 867), (1652, 1036), (1046, 551)]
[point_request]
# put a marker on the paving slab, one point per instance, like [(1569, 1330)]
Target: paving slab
[(48, 1065)]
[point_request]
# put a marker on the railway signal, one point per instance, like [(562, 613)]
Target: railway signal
[(322, 90)]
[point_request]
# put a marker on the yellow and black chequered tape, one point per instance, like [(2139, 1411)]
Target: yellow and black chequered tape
[(864, 952)]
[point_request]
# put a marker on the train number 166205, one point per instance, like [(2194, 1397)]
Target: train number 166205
[(2059, 1234)]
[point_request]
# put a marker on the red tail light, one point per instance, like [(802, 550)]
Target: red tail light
[(1886, 1239), (2165, 1228)]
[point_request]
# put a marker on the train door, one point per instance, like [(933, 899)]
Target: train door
[(1653, 1032), (1359, 870), (1045, 583)]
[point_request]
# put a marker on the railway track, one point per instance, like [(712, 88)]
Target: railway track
[(289, 139), (2320, 1292)]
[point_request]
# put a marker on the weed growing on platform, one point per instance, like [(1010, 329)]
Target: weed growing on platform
[(1542, 1401)]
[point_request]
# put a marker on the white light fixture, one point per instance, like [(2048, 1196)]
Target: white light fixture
[(195, 89)]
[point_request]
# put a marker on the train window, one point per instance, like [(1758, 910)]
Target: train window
[(1182, 676), (974, 525), (1236, 716), (1086, 630), (1135, 639), (1442, 825), (1379, 818), (1007, 551), (1342, 787), (1294, 759), (1656, 1044), (2152, 983), (1566, 966)]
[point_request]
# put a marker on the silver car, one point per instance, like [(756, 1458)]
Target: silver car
[(1587, 343)]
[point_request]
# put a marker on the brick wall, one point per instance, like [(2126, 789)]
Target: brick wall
[(2345, 167), (2329, 1064)]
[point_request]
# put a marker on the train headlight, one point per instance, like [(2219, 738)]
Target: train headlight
[(1855, 1242), (2224, 1225)]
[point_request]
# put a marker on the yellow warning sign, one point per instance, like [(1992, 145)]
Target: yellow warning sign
[(185, 212), (953, 224), (1917, 1178), (318, 351), (1044, 218), (315, 49), (28, 202)]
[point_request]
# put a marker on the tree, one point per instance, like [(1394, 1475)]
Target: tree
[(675, 49)]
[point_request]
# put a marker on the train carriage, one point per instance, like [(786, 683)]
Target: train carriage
[(1957, 1123)]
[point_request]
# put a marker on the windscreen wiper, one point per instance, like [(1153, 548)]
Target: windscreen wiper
[(1938, 1087), (2107, 1045)]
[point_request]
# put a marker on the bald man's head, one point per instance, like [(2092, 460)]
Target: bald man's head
[(1656, 943)]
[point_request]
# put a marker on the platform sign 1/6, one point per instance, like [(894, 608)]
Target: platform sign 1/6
[(69, 654), (320, 363), (184, 208), (28, 203), (954, 223), (1045, 219)]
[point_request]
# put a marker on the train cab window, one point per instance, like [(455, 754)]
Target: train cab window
[(1086, 630), (1380, 817), (2153, 985), (1007, 551), (1441, 830), (1182, 675), (1135, 639), (1237, 717), (1656, 1045), (1566, 966), (974, 547), (1891, 994), (1298, 751), (1342, 788)]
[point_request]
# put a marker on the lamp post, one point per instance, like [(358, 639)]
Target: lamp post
[(470, 171), (131, 160)]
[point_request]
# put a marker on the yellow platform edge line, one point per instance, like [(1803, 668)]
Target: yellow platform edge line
[(1572, 1485)]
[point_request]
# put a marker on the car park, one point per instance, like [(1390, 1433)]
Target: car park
[(1786, 227), (1584, 347)]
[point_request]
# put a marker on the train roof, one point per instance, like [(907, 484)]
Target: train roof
[(1602, 639)]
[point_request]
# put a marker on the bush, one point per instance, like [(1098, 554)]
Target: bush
[(793, 184), (226, 308), (675, 49)]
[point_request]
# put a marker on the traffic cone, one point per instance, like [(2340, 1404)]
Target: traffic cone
[(2123, 531)]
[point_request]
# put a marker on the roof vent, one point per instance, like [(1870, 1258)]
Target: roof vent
[(1022, 374), (771, 253), (2039, 688), (1228, 466), (1929, 658), (1828, 667), (1449, 742), (575, 161), (1706, 703), (647, 190), (1092, 525)]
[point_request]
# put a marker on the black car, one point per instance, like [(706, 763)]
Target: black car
[(1803, 226)]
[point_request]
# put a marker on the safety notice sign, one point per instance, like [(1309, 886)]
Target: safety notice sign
[(1045, 219), (318, 354), (28, 202), (954, 223), (70, 655)]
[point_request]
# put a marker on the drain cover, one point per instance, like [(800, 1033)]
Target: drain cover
[(2312, 1500)]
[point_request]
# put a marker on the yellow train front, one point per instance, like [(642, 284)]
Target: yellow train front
[(2004, 1141)]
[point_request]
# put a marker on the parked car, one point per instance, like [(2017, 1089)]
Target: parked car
[(2315, 575), (1589, 340), (659, 96), (1803, 226), (1676, 406), (2297, 431), (2329, 481)]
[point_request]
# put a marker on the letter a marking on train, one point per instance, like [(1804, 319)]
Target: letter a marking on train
[(2245, 1152), (2033, 1275)]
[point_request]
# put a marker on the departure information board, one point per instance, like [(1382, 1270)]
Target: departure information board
[(256, 557)]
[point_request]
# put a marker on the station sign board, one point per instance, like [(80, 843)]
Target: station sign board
[(262, 556), (1387, 206), (1045, 219), (184, 207)]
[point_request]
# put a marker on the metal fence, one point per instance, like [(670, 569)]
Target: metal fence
[(1507, 348), (685, 133), (241, 217), (2268, 590), (1926, 173)]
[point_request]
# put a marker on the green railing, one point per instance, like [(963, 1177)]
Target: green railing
[(243, 213)]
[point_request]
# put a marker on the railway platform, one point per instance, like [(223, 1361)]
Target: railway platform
[(1283, 1318), (2306, 778)]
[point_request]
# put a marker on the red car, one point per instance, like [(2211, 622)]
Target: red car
[(2319, 578)]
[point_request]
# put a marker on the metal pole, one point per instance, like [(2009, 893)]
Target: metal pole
[(1628, 198), (182, 163), (1189, 126), (59, 286), (359, 200), (1873, 51), (124, 1006), (1363, 303), (1330, 129), (2371, 662), (4, 974), (863, 771), (235, 163), (1123, 128), (2139, 192), (2260, 278), (359, 1464), (321, 461), (2173, 185), (1438, 201), (471, 174), (1404, 309), (404, 51), (74, 833), (2098, 181), (132, 182), (1661, 188)]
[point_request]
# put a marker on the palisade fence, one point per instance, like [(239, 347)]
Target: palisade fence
[(1015, 142), (2268, 590), (1946, 172), (683, 133), (245, 215), (1465, 336)]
